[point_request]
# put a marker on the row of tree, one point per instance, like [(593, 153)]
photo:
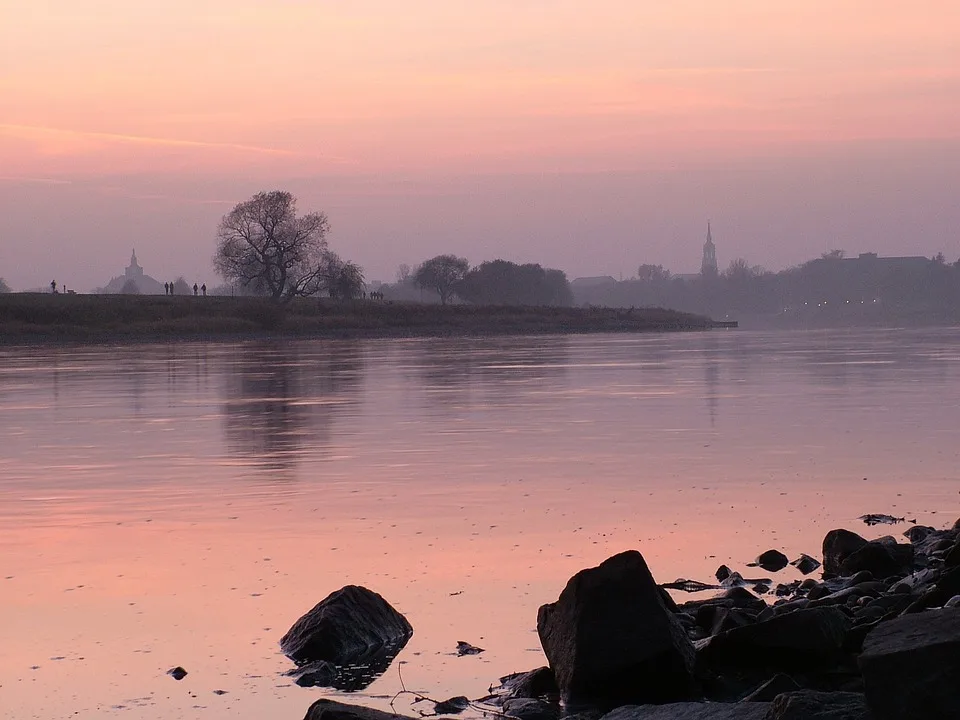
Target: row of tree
[(265, 248), (830, 284)]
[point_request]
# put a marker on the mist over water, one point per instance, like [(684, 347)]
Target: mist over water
[(183, 504)]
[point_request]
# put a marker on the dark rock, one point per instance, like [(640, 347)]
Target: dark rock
[(837, 545), (952, 558), (533, 684), (806, 564), (811, 705), (918, 533), (772, 561), (881, 559), (690, 586), (947, 585), (610, 640), (668, 601), (880, 519), (723, 572), (799, 640), (452, 706), (177, 673), (315, 674), (348, 623), (324, 709), (952, 602), (691, 711), (911, 667), (776, 685), (465, 648), (743, 598), (530, 709)]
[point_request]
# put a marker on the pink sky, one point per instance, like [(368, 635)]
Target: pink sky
[(590, 137)]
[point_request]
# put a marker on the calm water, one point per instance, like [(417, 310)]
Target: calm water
[(183, 504)]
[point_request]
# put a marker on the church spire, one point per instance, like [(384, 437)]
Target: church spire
[(708, 267)]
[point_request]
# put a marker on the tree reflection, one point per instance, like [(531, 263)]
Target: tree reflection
[(282, 399)]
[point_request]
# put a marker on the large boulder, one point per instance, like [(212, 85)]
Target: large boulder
[(346, 626), (691, 711), (879, 558), (811, 705), (837, 545), (610, 640), (911, 666), (324, 709), (800, 640)]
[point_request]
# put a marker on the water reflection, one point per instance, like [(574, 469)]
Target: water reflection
[(353, 676), (282, 399), (488, 370)]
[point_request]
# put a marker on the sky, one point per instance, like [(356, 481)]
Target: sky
[(590, 137)]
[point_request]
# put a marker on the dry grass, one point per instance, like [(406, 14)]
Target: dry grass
[(45, 317)]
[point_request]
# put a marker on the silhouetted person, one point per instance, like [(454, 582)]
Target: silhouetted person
[(203, 289), (171, 288), (195, 289), (166, 288), (53, 286)]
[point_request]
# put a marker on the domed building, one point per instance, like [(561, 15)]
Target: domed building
[(133, 276)]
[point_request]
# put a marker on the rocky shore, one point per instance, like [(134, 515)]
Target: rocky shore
[(875, 637)]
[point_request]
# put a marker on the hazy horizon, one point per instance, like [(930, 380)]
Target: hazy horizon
[(586, 140)]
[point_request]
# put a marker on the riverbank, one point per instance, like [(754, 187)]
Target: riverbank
[(26, 317)]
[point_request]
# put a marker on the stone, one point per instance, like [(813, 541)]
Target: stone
[(722, 573), (344, 626), (776, 685), (952, 602), (465, 648), (911, 666), (799, 640), (881, 559), (177, 673), (324, 709), (952, 558), (452, 706), (530, 709), (837, 545), (691, 711), (532, 684), (610, 641), (811, 705), (806, 564), (772, 561)]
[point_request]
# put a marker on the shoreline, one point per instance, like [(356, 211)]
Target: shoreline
[(39, 319)]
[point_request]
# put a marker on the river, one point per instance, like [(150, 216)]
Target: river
[(183, 503)]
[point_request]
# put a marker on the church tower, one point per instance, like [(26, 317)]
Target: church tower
[(133, 270), (708, 267)]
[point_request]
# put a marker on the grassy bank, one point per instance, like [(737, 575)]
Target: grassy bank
[(28, 317)]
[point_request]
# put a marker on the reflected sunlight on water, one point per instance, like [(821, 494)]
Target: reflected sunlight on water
[(183, 504)]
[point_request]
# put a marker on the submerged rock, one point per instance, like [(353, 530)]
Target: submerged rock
[(346, 625), (610, 640), (324, 709), (177, 673), (806, 564), (691, 711), (465, 648), (772, 561)]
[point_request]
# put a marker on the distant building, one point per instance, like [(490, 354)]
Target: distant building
[(708, 266), (146, 285), (598, 281)]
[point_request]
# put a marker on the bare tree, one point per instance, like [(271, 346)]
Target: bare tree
[(263, 245), (404, 273), (442, 274), (341, 280)]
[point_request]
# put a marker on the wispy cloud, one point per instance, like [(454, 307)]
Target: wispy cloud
[(41, 133), (34, 180)]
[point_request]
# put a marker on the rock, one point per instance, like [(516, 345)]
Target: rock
[(691, 711), (465, 648), (952, 602), (772, 561), (723, 572), (881, 559), (805, 564), (911, 666), (347, 624), (453, 706), (837, 545), (799, 640), (776, 685), (177, 673), (952, 558), (324, 709), (811, 705), (532, 684), (610, 640), (316, 674), (880, 519), (530, 709)]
